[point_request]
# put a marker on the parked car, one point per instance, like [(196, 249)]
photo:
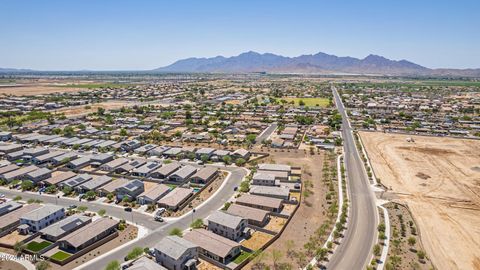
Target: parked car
[(128, 209), (158, 218), (160, 211), (73, 206)]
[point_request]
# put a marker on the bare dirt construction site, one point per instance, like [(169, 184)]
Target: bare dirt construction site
[(36, 90), (439, 179)]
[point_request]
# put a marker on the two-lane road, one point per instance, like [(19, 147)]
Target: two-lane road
[(356, 248)]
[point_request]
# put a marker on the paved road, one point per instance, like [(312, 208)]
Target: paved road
[(157, 230), (356, 248), (266, 133), (118, 212), (183, 222)]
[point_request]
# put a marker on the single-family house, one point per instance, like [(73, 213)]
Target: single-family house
[(42, 217), (175, 198), (214, 246), (261, 202), (204, 175), (152, 195), (183, 174), (255, 217), (227, 225), (176, 253), (88, 234), (131, 190), (65, 226)]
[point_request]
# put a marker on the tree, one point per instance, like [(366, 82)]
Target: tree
[(421, 254), (240, 161), (102, 212), (110, 196), (321, 253), (244, 186), (204, 158), (27, 185), (290, 245), (135, 253), (377, 250), (123, 132), (67, 190), (90, 195), (51, 189), (412, 241), (276, 256), (101, 111), (251, 138), (113, 265), (396, 261), (301, 102), (42, 265), (197, 224), (126, 199), (226, 206), (19, 247), (176, 231), (227, 159)]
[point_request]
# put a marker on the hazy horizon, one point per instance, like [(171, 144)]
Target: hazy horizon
[(143, 35)]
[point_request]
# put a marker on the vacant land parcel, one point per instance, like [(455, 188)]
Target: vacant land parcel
[(310, 102), (439, 179)]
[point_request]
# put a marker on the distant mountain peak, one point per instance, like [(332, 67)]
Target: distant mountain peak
[(320, 62)]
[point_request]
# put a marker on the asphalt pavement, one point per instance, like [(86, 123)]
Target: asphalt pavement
[(355, 251)]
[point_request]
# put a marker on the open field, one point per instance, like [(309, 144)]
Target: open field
[(439, 179), (309, 102), (37, 90), (83, 110)]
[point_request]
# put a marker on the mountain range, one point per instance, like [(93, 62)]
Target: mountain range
[(320, 63)]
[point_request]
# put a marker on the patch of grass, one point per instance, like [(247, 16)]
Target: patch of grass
[(61, 256), (36, 246), (242, 257), (172, 186), (309, 102)]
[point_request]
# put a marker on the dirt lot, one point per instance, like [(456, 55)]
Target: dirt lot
[(310, 214), (81, 110), (439, 179), (404, 230), (275, 224), (37, 90), (257, 240), (11, 265)]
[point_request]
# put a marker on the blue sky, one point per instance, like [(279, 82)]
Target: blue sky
[(137, 34)]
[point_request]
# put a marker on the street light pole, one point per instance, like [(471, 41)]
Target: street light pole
[(193, 211)]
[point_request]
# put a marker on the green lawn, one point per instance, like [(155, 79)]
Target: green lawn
[(36, 247), (242, 257), (172, 186), (309, 102), (60, 256)]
